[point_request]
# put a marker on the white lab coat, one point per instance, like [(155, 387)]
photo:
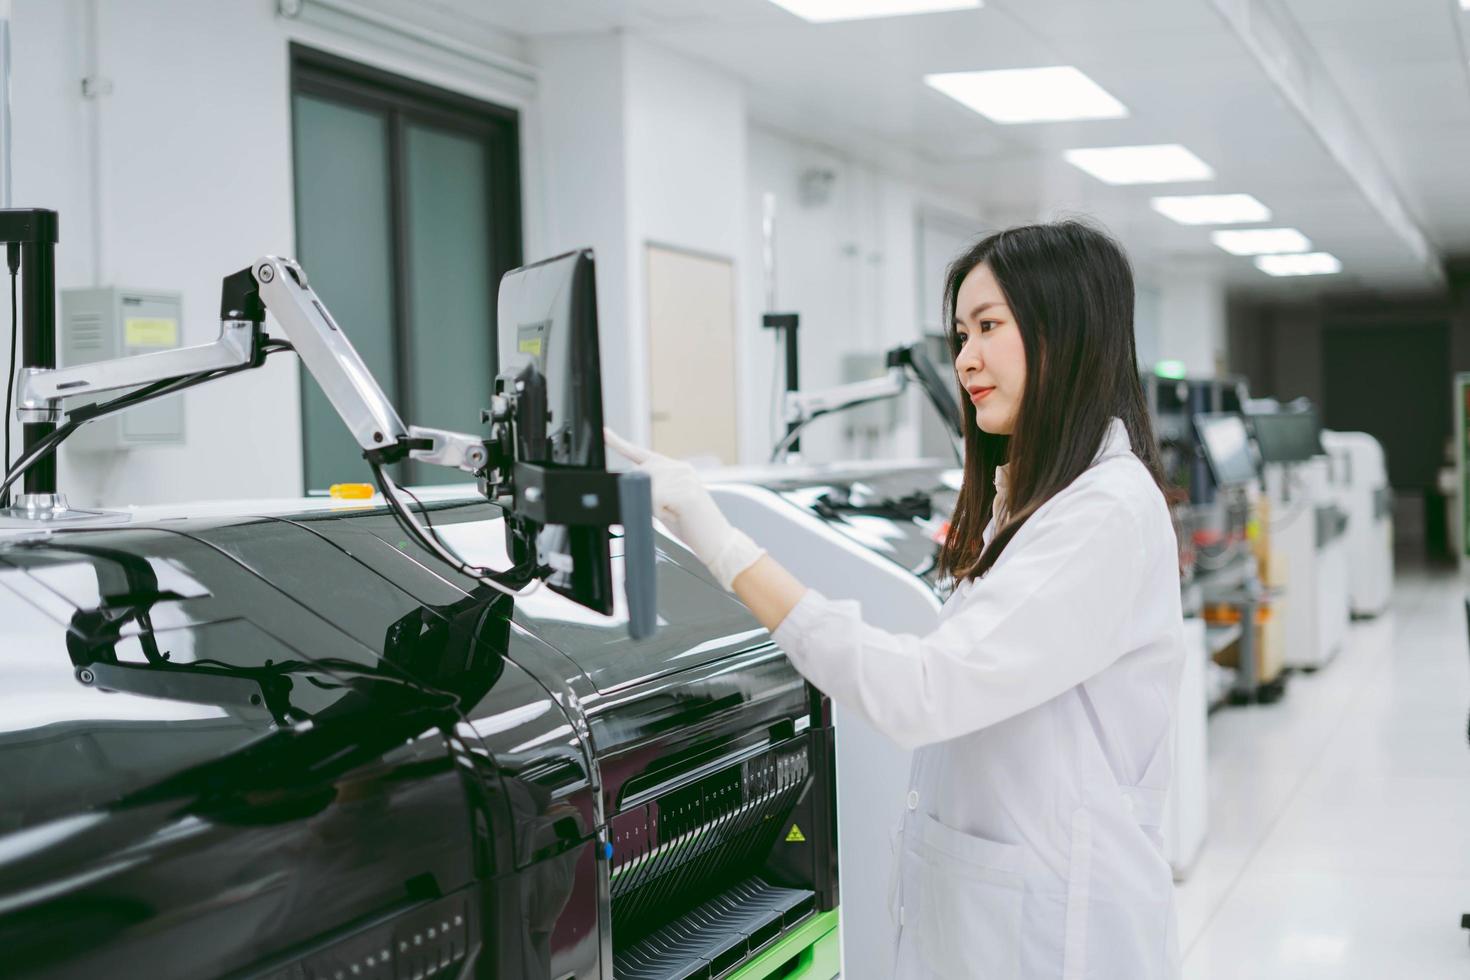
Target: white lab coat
[(1041, 711)]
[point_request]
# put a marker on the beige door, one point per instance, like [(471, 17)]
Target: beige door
[(691, 340)]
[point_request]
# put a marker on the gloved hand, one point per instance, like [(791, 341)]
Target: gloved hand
[(682, 503)]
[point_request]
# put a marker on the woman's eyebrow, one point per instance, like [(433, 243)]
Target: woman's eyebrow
[(983, 307)]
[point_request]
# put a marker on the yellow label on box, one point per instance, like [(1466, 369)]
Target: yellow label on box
[(139, 331), (532, 347)]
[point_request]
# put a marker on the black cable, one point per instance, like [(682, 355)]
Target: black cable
[(429, 540), (396, 506), (794, 434), (38, 451), (12, 258), (428, 521)]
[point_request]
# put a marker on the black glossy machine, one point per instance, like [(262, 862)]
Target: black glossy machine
[(320, 744)]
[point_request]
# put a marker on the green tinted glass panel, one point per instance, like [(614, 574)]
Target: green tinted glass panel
[(344, 242), (450, 288)]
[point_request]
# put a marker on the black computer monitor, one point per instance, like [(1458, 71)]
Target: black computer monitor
[(1227, 446), (549, 361), (1287, 437)]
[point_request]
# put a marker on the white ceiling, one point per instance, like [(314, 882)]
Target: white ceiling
[(1177, 64)]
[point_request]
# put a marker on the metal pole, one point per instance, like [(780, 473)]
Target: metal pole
[(38, 344), (35, 231)]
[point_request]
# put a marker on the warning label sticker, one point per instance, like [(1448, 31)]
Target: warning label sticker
[(795, 836)]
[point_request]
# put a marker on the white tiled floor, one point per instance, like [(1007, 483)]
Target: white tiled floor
[(1339, 838)]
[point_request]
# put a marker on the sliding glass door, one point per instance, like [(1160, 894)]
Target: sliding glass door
[(407, 214)]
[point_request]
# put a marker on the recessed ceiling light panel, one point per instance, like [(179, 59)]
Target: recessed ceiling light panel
[(825, 11), (1028, 95), (1305, 264), (1261, 241), (1160, 164), (1212, 209)]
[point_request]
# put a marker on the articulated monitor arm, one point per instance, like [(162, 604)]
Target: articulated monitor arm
[(804, 407), (538, 494), (40, 390), (280, 286)]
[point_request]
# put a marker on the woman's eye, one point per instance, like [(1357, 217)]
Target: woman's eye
[(988, 325)]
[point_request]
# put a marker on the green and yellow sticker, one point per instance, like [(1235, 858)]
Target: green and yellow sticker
[(150, 331)]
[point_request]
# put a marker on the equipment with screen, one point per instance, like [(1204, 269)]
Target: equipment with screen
[(1227, 447), (1287, 437), (941, 394), (550, 446)]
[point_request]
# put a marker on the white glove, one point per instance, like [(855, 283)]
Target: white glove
[(682, 503)]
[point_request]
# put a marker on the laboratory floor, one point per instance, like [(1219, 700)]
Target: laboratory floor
[(1339, 836)]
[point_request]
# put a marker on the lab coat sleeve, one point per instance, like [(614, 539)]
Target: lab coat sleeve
[(1052, 613)]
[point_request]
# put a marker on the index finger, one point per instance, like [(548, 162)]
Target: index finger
[(636, 453)]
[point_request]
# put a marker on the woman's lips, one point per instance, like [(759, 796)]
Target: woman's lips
[(977, 395)]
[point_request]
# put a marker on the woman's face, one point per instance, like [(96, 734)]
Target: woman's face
[(992, 361)]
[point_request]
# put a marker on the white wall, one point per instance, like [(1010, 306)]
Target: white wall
[(851, 268), (181, 175), (582, 117), (686, 185), (191, 168), (641, 145), (1191, 320)]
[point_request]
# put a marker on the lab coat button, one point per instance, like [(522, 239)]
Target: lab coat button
[(913, 799)]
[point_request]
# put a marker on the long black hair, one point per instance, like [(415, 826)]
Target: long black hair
[(1070, 288)]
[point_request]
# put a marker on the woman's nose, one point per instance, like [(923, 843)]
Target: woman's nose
[(968, 360)]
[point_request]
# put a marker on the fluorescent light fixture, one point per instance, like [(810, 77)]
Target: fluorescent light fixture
[(1212, 209), (1162, 164), (1261, 241), (1024, 95), (826, 11), (1305, 264)]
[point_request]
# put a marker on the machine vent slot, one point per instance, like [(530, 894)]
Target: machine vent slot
[(700, 839), (718, 935), (86, 332)]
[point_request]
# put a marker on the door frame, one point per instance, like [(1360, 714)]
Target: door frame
[(649, 244), (405, 101)]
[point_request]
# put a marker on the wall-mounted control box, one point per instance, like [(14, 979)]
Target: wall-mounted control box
[(101, 324)]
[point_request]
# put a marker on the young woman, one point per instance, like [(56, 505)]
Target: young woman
[(1041, 706)]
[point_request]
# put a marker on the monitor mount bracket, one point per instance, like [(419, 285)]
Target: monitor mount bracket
[(545, 494)]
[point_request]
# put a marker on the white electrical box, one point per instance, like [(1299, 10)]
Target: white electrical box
[(102, 324)]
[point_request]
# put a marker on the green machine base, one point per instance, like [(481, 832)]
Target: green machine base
[(811, 952)]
